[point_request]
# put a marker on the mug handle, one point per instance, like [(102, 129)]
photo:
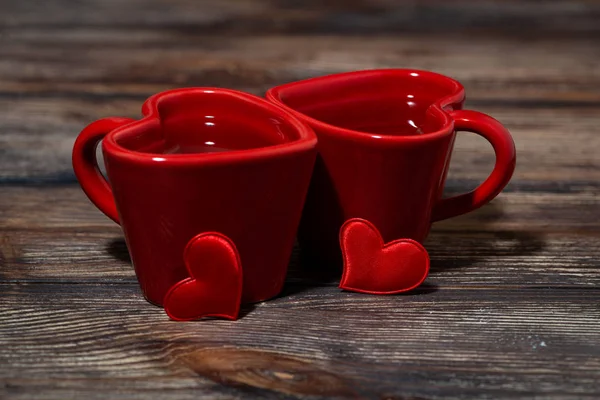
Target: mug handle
[(85, 164), (504, 147)]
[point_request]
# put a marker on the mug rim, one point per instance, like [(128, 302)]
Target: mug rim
[(151, 116), (274, 94)]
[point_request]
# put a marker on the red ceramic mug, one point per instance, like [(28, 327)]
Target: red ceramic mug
[(385, 140), (201, 159)]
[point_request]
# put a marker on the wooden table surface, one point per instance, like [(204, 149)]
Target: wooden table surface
[(511, 307)]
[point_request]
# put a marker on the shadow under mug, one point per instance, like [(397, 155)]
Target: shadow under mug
[(201, 160), (385, 141)]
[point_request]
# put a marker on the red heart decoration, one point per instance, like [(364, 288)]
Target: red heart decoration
[(375, 268), (214, 288)]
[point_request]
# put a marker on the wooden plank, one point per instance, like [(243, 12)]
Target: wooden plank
[(534, 207), (504, 343), (50, 207), (67, 257), (460, 259), (54, 234), (541, 69), (553, 144), (516, 18)]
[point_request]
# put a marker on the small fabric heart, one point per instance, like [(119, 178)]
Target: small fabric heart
[(370, 266), (214, 288)]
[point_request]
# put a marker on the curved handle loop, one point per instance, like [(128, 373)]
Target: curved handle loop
[(86, 168), (504, 147)]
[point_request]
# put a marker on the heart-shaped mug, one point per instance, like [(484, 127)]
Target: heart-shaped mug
[(385, 144), (201, 160)]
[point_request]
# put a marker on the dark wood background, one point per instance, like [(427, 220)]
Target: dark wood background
[(512, 305)]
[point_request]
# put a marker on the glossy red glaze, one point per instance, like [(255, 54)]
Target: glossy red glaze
[(201, 160), (370, 266), (214, 286), (385, 140)]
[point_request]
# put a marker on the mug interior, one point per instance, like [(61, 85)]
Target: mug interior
[(385, 103), (208, 121)]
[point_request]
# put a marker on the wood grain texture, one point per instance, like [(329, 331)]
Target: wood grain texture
[(524, 238), (510, 309), (569, 206), (334, 347), (555, 144), (561, 18)]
